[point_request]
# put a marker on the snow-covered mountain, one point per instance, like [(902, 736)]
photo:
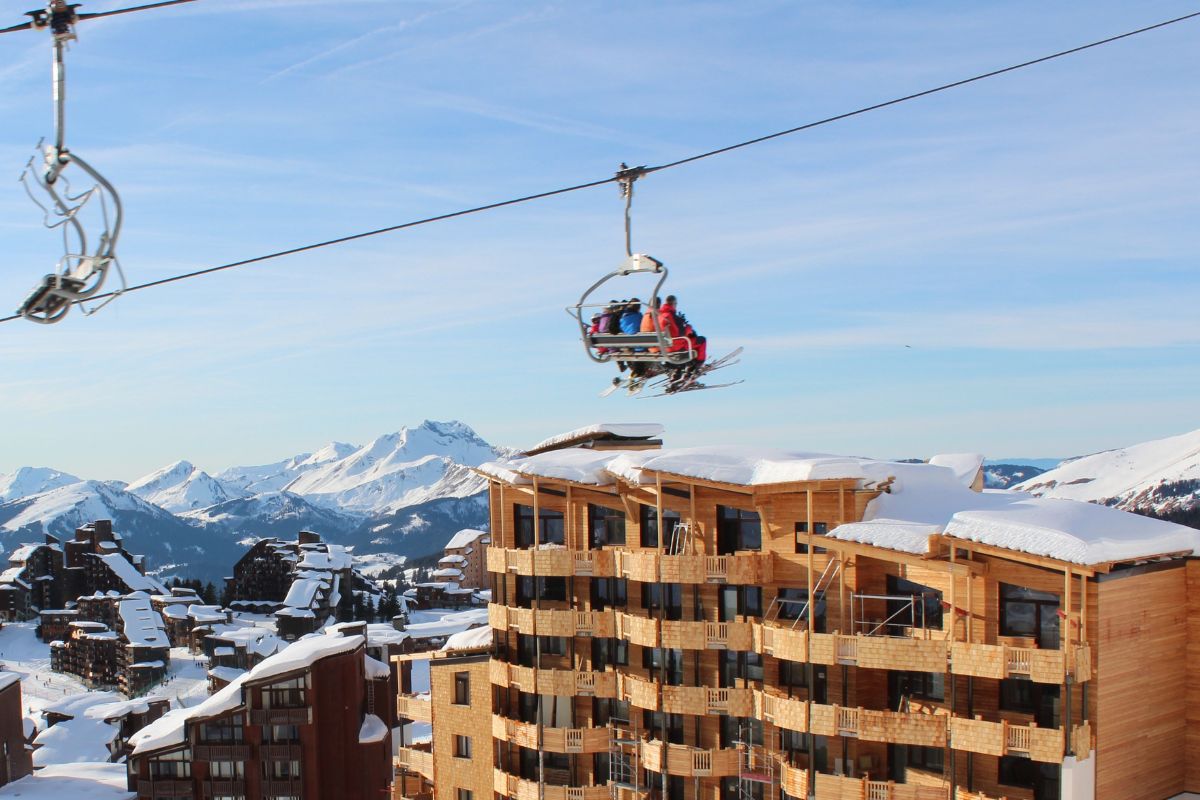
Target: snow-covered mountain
[(1161, 476), (1004, 476), (183, 487), (376, 496), (32, 480)]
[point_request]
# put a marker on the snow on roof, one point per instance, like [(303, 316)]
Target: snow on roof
[(436, 623), (381, 633), (79, 781), (226, 674), (303, 592), (23, 552), (12, 574), (223, 651), (168, 730), (464, 538), (628, 430), (452, 573), (175, 611), (336, 558), (202, 613), (470, 639), (452, 559), (77, 739), (121, 708), (372, 730), (964, 465), (744, 465), (7, 679), (124, 570), (926, 499), (141, 624), (303, 613), (578, 466), (375, 668), (77, 704)]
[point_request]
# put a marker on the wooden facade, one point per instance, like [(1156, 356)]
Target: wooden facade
[(696, 666)]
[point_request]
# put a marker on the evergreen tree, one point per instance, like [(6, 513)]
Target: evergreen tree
[(209, 593)]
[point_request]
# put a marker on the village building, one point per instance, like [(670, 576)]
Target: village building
[(16, 761), (114, 641), (465, 560), (78, 724), (312, 721), (733, 623)]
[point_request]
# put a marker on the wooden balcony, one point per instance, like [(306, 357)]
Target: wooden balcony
[(554, 740), (880, 652), (784, 642), (519, 789), (418, 761), (962, 794), (220, 752), (1005, 661), (688, 762), (785, 712), (1004, 739), (224, 788), (417, 709), (637, 630), (164, 788), (639, 692), (557, 562), (564, 682), (837, 787), (702, 700), (551, 622), (651, 566), (926, 730), (708, 635), (793, 781)]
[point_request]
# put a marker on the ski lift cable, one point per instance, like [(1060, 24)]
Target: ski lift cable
[(626, 176)]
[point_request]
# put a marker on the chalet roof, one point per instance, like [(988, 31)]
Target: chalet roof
[(916, 500), (464, 538)]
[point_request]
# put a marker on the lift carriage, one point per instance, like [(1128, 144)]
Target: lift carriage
[(656, 346)]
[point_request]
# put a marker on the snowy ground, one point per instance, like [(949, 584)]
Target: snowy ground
[(87, 781), (22, 653)]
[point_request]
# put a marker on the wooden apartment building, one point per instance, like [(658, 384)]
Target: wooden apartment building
[(726, 624)]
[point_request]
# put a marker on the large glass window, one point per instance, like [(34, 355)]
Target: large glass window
[(609, 652), (664, 663), (609, 592), (221, 731), (227, 770), (462, 688), (651, 536), (737, 530), (551, 526), (172, 766), (923, 611), (655, 720), (739, 601), (530, 588), (793, 605), (285, 694), (665, 596), (737, 731), (739, 665), (606, 526), (1029, 613), (605, 709), (819, 529), (903, 686)]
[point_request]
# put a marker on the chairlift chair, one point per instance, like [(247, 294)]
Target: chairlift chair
[(644, 347)]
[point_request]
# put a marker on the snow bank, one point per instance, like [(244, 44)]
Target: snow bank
[(965, 466), (79, 781)]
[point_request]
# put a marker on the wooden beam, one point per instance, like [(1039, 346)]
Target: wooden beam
[(1044, 562), (662, 536)]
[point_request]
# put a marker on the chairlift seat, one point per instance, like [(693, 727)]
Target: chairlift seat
[(48, 297)]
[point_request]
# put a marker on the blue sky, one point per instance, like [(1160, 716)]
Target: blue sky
[(1032, 238)]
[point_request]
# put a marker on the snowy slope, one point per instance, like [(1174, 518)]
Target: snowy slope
[(72, 506), (273, 477), (32, 480), (182, 487), (273, 514), (1161, 476)]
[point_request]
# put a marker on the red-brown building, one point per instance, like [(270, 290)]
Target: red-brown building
[(17, 760), (313, 721)]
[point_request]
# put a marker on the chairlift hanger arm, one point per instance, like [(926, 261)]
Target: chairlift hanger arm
[(44, 17)]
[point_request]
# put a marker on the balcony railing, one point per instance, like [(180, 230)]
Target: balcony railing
[(1003, 738), (417, 709), (866, 789), (785, 712), (555, 563), (418, 761), (1001, 661), (520, 789), (553, 740), (651, 566), (688, 762), (702, 700)]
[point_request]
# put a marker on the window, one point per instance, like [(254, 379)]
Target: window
[(227, 770), (462, 688), (1016, 771), (1029, 613), (796, 745), (1026, 697), (737, 731), (793, 605), (530, 588), (609, 652), (464, 794), (606, 526), (739, 601), (281, 770), (282, 733), (649, 523), (550, 526), (462, 746), (923, 611), (654, 721), (929, 759), (1017, 695), (665, 596), (917, 686), (735, 665), (172, 766), (605, 709), (658, 659), (737, 530), (608, 592), (819, 529), (285, 694), (227, 731), (553, 645)]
